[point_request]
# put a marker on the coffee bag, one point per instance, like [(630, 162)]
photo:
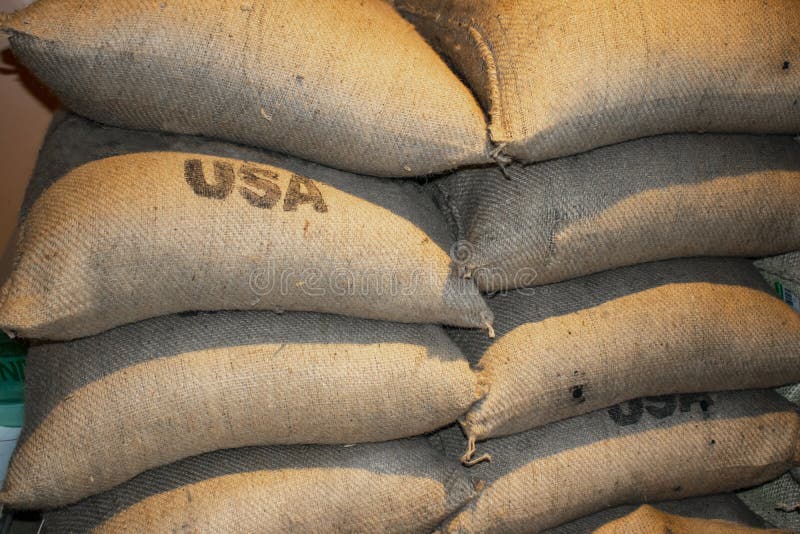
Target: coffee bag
[(778, 501), (677, 326), (349, 84), (401, 486), (102, 409), (642, 451), (154, 230), (646, 200), (558, 78)]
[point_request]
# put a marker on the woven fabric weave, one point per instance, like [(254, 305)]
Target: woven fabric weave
[(349, 84), (100, 410), (651, 520), (725, 507), (154, 231), (677, 326), (645, 450), (778, 501), (783, 270), (561, 77), (646, 200), (403, 486)]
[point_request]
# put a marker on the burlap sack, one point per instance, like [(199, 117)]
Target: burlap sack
[(645, 450), (649, 520), (130, 237), (778, 501), (102, 409), (646, 200), (346, 83), (677, 326), (783, 274), (723, 508), (401, 486), (558, 78)]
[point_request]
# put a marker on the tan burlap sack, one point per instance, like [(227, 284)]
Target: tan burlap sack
[(561, 77), (102, 409), (134, 236), (677, 326), (403, 486), (783, 274), (645, 200), (346, 83), (722, 508), (645, 450), (649, 520)]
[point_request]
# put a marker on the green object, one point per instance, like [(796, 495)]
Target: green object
[(12, 382), (12, 414)]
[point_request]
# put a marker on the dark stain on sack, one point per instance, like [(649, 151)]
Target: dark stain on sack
[(577, 393)]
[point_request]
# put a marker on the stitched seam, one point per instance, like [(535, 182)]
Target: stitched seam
[(506, 121), (450, 211), (477, 36), (496, 109)]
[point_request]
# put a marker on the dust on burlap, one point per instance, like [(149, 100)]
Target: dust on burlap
[(346, 83), (677, 326), (558, 78), (148, 227), (651, 199), (403, 486), (651, 449)]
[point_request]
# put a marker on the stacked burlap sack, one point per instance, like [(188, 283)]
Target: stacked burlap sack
[(390, 309)]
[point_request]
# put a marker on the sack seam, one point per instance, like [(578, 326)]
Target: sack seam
[(483, 45), (449, 210)]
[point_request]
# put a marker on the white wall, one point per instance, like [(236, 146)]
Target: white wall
[(25, 112)]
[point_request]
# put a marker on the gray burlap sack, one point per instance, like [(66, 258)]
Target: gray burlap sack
[(558, 78), (724, 507), (650, 520), (403, 486), (677, 326), (642, 451), (148, 233), (645, 200), (100, 410), (346, 83), (778, 501), (783, 274)]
